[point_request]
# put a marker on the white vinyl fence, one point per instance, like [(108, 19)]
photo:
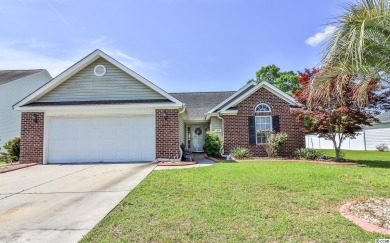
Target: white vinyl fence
[(366, 140)]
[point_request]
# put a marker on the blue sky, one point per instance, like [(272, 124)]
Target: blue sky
[(180, 45)]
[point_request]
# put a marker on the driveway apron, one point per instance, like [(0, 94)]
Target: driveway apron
[(62, 203)]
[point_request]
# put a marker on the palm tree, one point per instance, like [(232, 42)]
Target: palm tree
[(359, 46)]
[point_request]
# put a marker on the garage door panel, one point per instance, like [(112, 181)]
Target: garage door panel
[(101, 139)]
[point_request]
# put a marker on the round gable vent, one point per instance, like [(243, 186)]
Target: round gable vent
[(99, 70)]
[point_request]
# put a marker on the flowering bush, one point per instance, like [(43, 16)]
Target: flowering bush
[(274, 143)]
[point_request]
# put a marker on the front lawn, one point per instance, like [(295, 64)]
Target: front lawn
[(369, 158), (247, 201)]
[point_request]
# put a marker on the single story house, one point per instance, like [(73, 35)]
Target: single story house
[(14, 86), (99, 110), (368, 139)]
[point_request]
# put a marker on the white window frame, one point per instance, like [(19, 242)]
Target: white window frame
[(270, 119), (269, 107)]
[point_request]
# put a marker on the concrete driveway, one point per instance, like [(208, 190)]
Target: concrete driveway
[(62, 203)]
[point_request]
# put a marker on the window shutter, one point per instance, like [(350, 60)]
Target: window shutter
[(275, 124), (252, 130)]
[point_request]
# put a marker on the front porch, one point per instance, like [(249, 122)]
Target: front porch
[(195, 136)]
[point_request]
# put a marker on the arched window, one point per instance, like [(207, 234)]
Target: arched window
[(263, 108)]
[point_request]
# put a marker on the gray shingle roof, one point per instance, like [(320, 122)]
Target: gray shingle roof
[(7, 76), (384, 117), (198, 103)]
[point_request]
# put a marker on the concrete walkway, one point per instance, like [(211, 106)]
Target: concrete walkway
[(62, 203), (197, 157)]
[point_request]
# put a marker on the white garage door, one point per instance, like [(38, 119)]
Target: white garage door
[(101, 139)]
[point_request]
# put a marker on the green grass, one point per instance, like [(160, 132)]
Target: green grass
[(245, 202), (369, 158)]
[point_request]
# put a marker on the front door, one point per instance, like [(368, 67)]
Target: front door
[(198, 137)]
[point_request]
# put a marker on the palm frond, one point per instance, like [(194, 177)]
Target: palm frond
[(360, 46)]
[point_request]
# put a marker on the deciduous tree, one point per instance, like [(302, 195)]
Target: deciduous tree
[(286, 81), (340, 117)]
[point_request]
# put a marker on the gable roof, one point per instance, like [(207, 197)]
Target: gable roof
[(384, 117), (198, 103), (7, 76), (82, 64), (231, 97), (250, 91)]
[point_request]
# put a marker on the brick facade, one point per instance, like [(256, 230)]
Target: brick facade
[(236, 130), (31, 138), (167, 134)]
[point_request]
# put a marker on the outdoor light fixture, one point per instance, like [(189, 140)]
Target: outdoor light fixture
[(165, 115), (34, 118)]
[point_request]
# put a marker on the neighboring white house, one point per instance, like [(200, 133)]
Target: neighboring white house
[(14, 86), (368, 139)]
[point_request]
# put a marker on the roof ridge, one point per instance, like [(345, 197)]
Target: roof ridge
[(192, 92), (15, 70)]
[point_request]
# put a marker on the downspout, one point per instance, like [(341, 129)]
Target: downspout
[(184, 109), (223, 132), (181, 112)]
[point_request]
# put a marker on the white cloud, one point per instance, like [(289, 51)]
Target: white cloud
[(320, 36), (101, 41), (14, 58), (104, 44), (37, 44)]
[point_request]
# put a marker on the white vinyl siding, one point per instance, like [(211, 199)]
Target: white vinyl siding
[(11, 93), (100, 139), (114, 85), (181, 131), (216, 126), (263, 126)]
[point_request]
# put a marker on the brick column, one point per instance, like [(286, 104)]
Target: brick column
[(167, 134), (31, 138)]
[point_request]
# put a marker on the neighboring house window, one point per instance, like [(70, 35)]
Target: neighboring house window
[(263, 126), (263, 108)]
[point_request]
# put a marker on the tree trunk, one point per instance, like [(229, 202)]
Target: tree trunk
[(337, 152), (336, 148)]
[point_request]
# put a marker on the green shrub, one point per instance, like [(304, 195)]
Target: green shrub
[(307, 153), (382, 147), (13, 150), (213, 144), (274, 143), (240, 153)]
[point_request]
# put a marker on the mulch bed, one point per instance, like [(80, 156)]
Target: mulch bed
[(372, 215), (179, 163), (12, 167), (281, 159)]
